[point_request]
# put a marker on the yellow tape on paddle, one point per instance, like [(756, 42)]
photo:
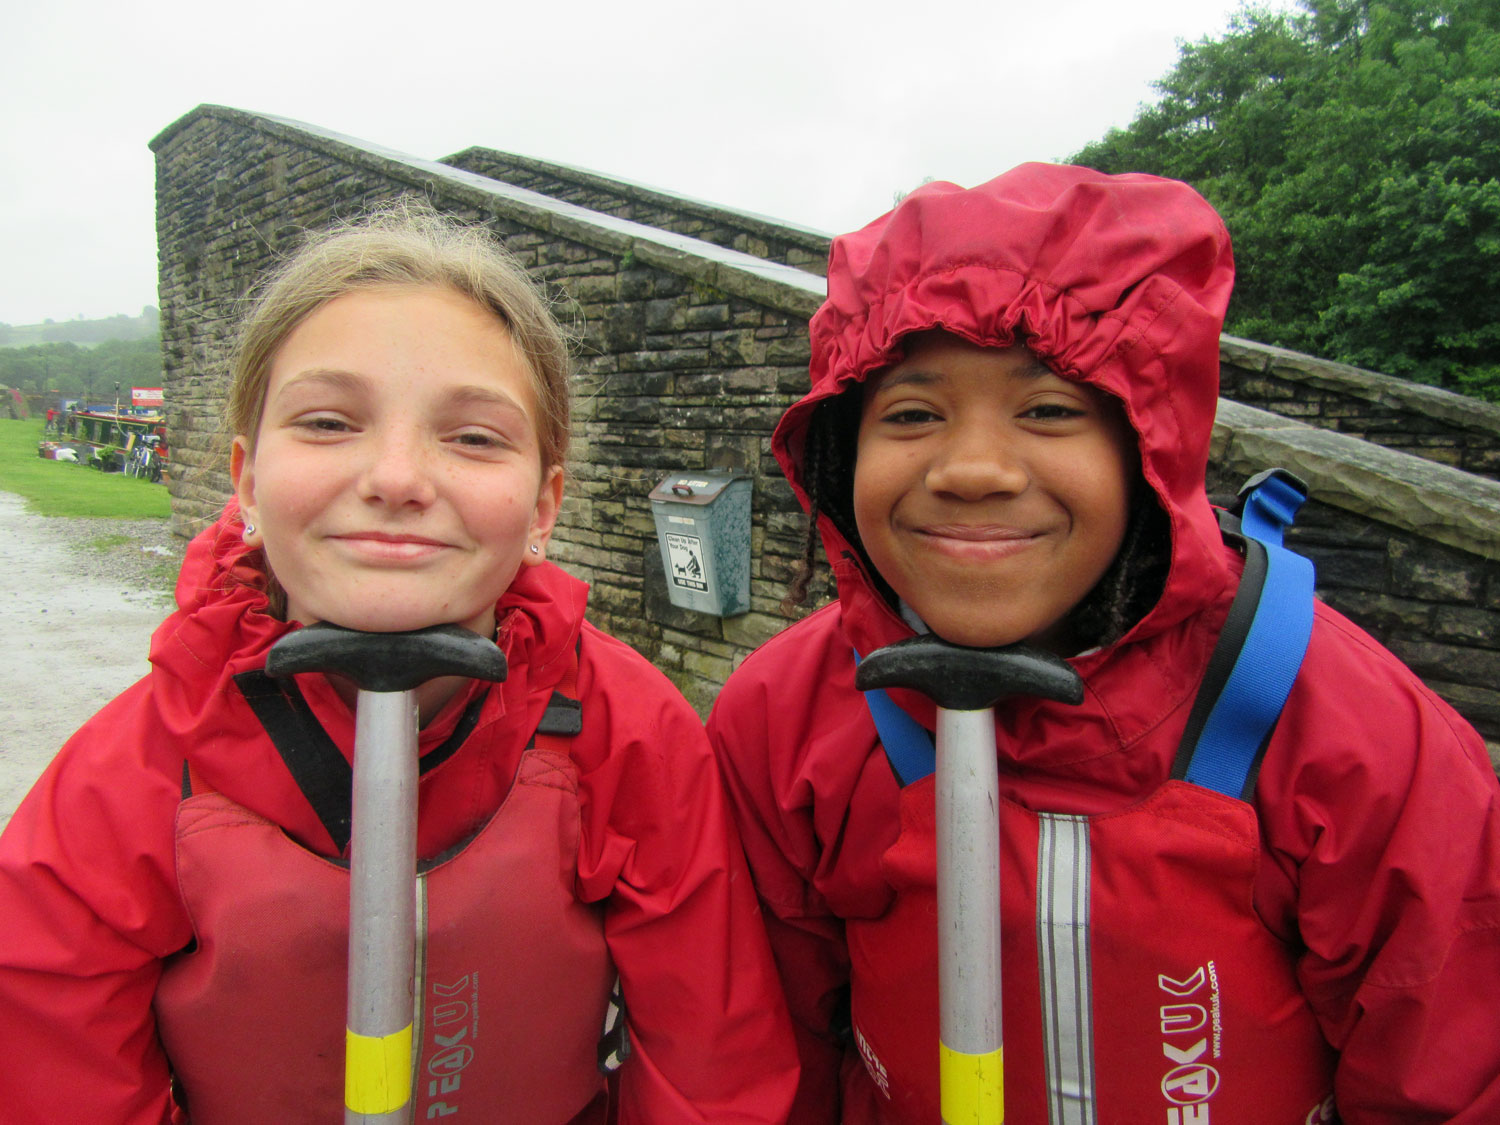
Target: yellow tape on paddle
[(377, 1071), (972, 1087)]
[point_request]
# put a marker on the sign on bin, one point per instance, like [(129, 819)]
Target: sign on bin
[(686, 555), (703, 528)]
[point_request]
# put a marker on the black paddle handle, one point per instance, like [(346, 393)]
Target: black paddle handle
[(968, 679), (387, 661)]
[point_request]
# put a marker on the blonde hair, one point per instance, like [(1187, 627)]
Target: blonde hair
[(403, 243)]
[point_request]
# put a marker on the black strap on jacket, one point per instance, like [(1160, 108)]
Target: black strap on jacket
[(310, 755), (1258, 654)]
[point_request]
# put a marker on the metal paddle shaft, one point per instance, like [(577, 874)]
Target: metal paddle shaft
[(387, 668), (966, 683)]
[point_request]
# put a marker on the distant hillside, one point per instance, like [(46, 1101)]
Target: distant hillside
[(82, 332)]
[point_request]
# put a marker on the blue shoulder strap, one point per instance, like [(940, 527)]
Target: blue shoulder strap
[(1249, 676), (908, 745), (1260, 650)]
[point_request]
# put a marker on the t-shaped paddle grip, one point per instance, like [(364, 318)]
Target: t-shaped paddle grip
[(968, 679), (387, 661)]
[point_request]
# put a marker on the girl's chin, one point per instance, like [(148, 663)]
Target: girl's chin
[(973, 632), (377, 622)]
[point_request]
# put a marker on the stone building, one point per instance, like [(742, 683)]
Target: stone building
[(692, 321)]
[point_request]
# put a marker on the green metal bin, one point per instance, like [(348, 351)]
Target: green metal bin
[(703, 529)]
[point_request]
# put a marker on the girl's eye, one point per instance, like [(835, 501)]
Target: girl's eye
[(477, 439), (1053, 412), (323, 424), (909, 416), (484, 440)]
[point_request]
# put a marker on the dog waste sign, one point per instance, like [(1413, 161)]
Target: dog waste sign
[(686, 555), (703, 529)]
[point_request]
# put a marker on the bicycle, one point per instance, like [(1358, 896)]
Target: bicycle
[(144, 461)]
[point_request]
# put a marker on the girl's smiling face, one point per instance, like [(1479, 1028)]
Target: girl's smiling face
[(989, 492), (395, 480)]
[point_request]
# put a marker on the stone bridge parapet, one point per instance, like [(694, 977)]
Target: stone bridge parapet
[(692, 328)]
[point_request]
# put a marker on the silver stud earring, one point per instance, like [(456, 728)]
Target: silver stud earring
[(249, 529), (535, 550)]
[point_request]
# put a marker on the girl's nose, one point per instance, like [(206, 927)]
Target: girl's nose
[(977, 462), (399, 472)]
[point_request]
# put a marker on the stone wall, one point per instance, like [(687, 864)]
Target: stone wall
[(771, 239), (1424, 421), (691, 349), (1408, 549)]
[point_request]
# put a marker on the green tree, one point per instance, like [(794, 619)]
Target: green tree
[(68, 384), (1354, 152), (131, 363), (90, 372)]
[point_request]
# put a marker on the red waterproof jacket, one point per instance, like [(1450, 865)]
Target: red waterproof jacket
[(92, 904), (1359, 897)]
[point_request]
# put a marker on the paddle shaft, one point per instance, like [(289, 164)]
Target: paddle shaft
[(965, 683), (387, 668), (382, 909), (968, 901)]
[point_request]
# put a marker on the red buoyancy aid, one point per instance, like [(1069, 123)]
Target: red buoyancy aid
[(1139, 984), (513, 974)]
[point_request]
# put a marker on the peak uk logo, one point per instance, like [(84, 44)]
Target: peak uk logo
[(449, 1051), (1189, 1024)]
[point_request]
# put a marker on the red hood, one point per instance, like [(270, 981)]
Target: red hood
[(221, 628), (1116, 281)]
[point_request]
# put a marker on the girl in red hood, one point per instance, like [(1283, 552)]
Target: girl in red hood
[(1013, 389), (174, 891)]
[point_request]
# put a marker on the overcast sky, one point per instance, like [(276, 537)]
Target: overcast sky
[(812, 111)]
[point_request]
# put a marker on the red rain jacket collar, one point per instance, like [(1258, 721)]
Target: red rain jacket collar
[(223, 627)]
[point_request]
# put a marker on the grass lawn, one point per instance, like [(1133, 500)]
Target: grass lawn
[(58, 488)]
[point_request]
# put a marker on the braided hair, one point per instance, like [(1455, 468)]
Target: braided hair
[(828, 453), (1133, 584)]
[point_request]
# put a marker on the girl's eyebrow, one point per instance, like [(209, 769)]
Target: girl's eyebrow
[(336, 379), (913, 377), (919, 377), (472, 395), (323, 377)]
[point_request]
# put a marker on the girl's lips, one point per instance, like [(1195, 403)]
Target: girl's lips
[(384, 546), (980, 533), (977, 542)]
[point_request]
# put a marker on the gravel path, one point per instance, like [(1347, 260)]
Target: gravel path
[(79, 599)]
